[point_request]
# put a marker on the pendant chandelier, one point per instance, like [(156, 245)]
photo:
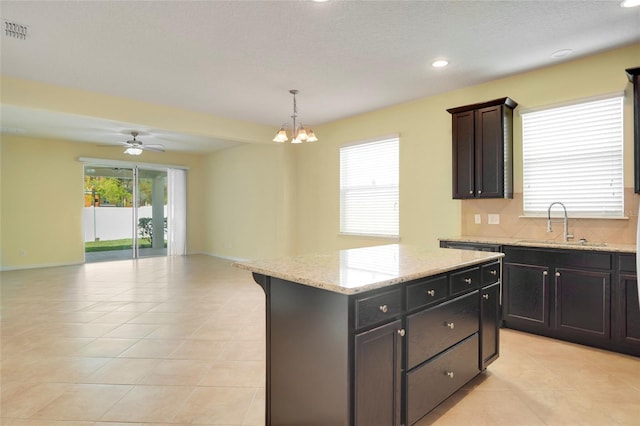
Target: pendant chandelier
[(300, 134)]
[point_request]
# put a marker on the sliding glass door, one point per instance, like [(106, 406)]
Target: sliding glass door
[(125, 213), (151, 213), (108, 208)]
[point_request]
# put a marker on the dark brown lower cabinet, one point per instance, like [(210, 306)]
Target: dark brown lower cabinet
[(489, 325), (382, 357), (526, 297), (583, 303), (630, 318), (378, 375), (627, 304), (582, 296)]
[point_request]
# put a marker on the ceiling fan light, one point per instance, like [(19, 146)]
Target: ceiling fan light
[(296, 140), (133, 151), (281, 136)]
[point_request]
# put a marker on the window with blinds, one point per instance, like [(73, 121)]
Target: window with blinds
[(573, 154), (369, 188)]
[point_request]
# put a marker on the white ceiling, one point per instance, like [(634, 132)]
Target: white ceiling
[(238, 59)]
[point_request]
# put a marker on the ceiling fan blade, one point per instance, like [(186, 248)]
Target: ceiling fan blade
[(156, 148), (113, 145)]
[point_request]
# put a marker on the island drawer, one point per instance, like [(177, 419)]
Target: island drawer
[(431, 383), (428, 292), (378, 308), (463, 281), (490, 273), (433, 330)]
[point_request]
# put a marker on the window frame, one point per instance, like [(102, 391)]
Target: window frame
[(373, 232), (615, 168)]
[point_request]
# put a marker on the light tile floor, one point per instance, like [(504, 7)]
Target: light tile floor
[(180, 340)]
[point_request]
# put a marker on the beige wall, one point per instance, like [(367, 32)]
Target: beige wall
[(266, 200), (427, 211), (250, 201), (579, 79), (41, 189), (426, 207), (29, 165)]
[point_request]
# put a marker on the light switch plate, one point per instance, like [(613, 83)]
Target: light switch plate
[(477, 219), (494, 219)]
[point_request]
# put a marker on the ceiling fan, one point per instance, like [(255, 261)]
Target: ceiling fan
[(135, 147)]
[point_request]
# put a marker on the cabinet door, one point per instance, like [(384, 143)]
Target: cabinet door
[(489, 324), (583, 303), (489, 162), (378, 376), (463, 129), (526, 296), (630, 315)]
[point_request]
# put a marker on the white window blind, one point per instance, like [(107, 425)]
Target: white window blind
[(573, 154), (369, 189)]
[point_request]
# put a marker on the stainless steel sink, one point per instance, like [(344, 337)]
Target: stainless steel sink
[(563, 243)]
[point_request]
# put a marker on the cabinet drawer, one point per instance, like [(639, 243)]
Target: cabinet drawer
[(433, 330), (628, 263), (463, 281), (584, 259), (560, 257), (490, 273), (433, 382), (427, 292), (378, 308)]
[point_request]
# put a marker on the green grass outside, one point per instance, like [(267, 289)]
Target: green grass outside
[(110, 245)]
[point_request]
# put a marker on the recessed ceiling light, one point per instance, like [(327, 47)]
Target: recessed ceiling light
[(440, 63), (562, 53), (630, 3)]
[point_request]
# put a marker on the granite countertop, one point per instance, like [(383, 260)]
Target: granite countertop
[(524, 242), (356, 270)]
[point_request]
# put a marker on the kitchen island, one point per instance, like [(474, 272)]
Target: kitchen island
[(377, 335)]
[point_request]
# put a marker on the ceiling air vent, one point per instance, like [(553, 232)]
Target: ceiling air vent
[(15, 30)]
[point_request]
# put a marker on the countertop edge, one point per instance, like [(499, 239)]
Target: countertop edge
[(308, 279), (530, 242)]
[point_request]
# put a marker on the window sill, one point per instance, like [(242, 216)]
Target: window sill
[(394, 238), (556, 217)]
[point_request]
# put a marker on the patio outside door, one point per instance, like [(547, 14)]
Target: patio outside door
[(125, 213), (151, 213)]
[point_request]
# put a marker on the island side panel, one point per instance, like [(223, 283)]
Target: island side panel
[(308, 356)]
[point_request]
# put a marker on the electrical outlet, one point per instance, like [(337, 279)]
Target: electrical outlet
[(23, 252), (477, 219), (494, 219)]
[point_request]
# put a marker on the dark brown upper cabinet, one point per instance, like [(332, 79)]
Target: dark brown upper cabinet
[(634, 77), (483, 149)]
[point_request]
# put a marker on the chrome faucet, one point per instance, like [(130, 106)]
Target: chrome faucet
[(566, 236)]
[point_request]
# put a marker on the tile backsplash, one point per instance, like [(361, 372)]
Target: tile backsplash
[(513, 225)]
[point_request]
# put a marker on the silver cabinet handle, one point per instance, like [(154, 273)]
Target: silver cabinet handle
[(401, 332), (450, 325), (470, 192), (467, 280), (431, 293), (557, 274), (545, 273), (485, 296), (384, 309), (449, 374), (479, 191), (493, 272)]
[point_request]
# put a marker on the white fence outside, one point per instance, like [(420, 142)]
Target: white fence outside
[(111, 223)]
